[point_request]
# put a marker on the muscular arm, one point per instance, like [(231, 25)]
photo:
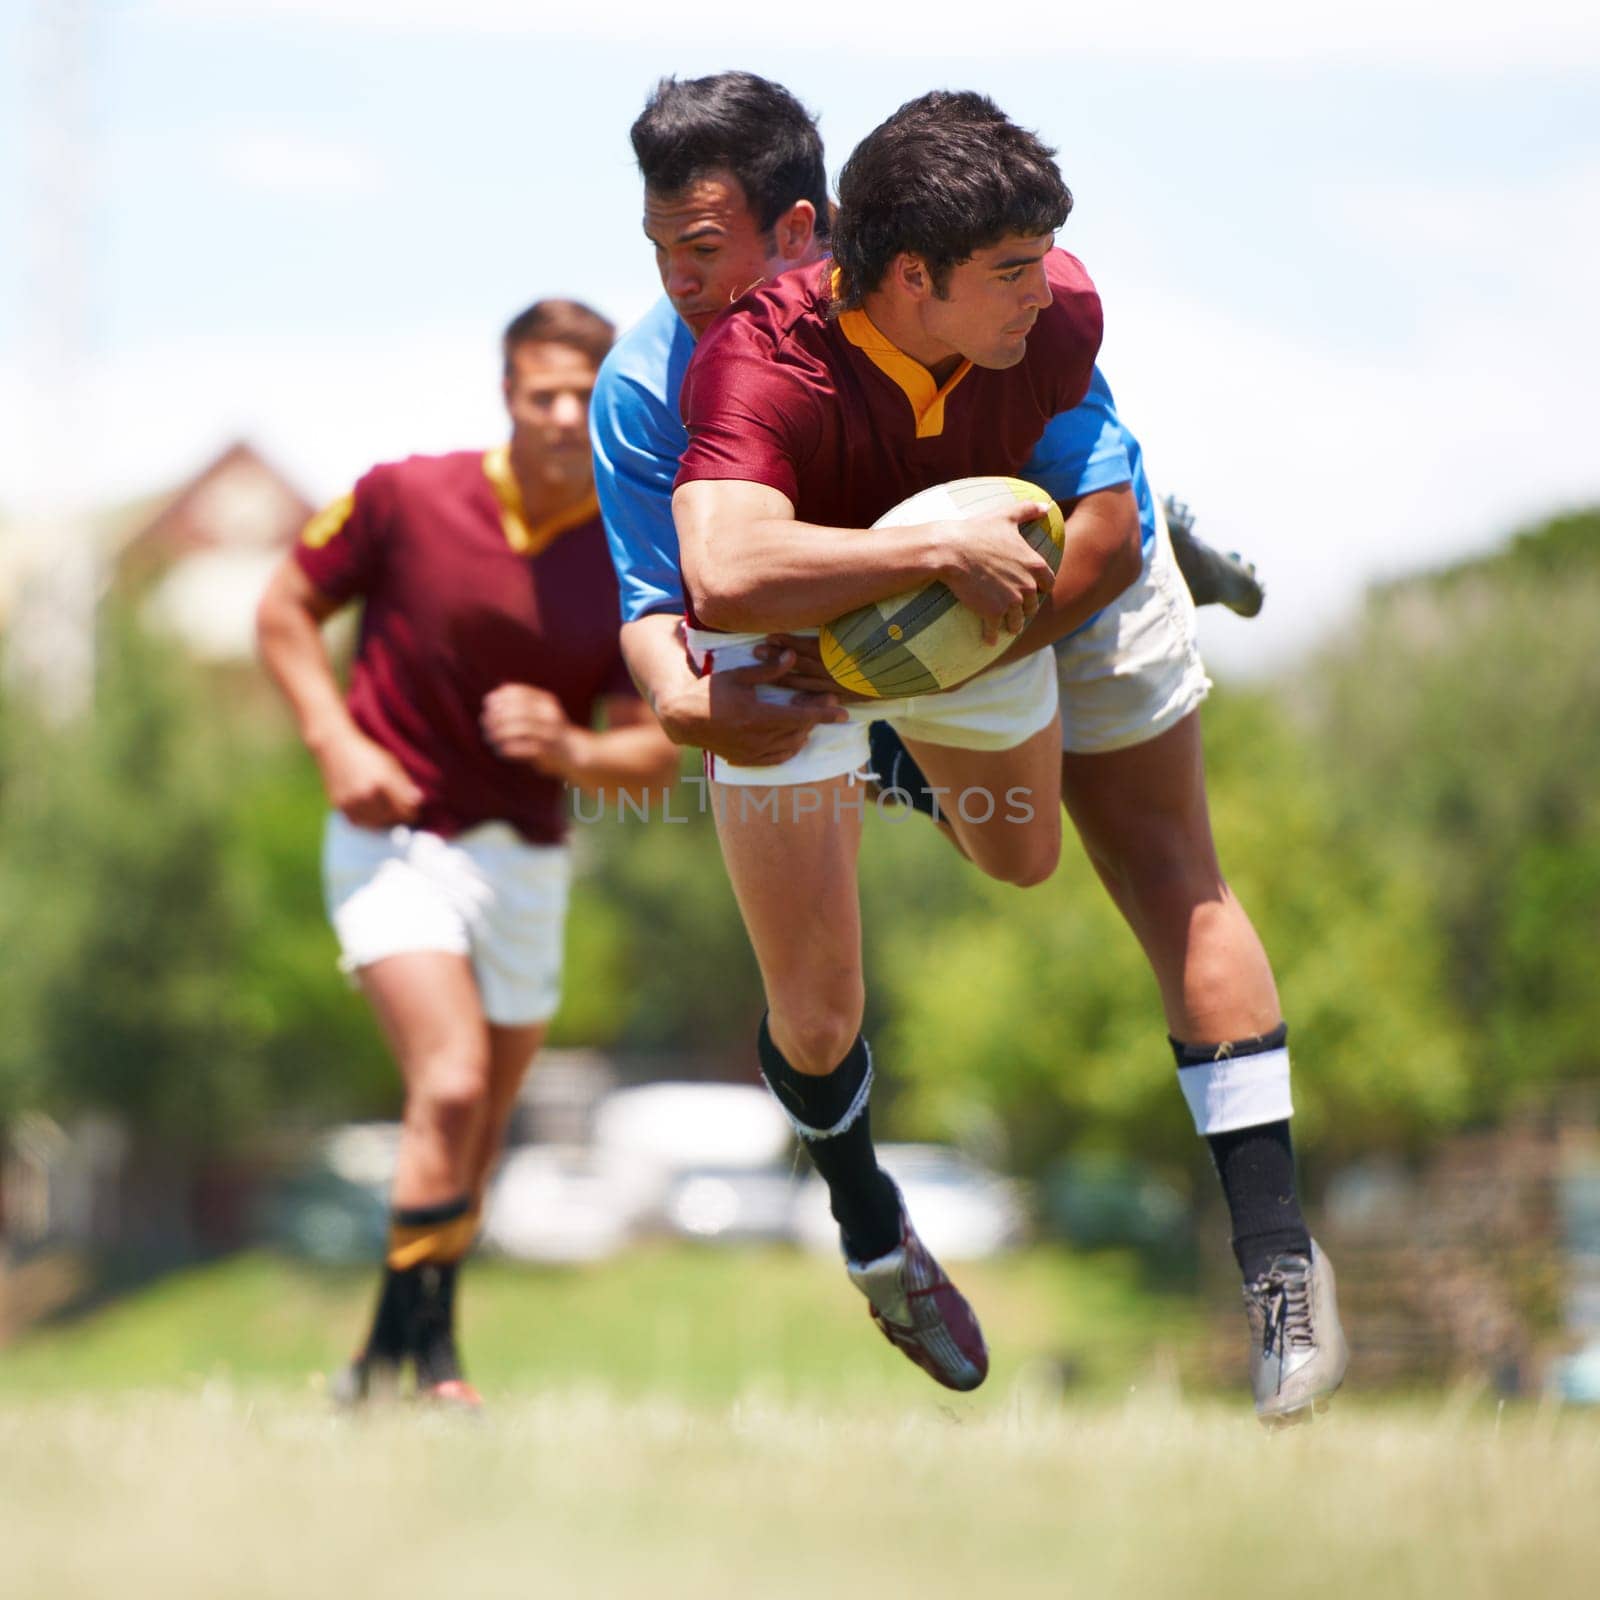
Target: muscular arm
[(721, 712), (362, 779), (630, 755), (749, 566), (1102, 556)]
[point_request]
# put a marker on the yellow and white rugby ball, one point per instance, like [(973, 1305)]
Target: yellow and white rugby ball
[(924, 640)]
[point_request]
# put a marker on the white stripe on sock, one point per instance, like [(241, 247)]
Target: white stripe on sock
[(852, 1112), (1238, 1091)]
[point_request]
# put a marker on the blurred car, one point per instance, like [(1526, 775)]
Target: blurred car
[(962, 1209), (566, 1203), (325, 1218), (335, 1207), (682, 1127), (734, 1205)]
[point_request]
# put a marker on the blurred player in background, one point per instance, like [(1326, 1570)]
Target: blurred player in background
[(488, 647), (734, 193)]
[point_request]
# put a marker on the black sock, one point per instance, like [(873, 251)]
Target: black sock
[(864, 1200), (390, 1339), (1256, 1166), (897, 770), (434, 1327), (416, 1307)]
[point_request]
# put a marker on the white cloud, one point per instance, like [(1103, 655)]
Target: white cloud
[(1479, 33), (293, 164)]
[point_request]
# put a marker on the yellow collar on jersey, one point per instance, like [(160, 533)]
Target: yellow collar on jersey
[(525, 538), (914, 380)]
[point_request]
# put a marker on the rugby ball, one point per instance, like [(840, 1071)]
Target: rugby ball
[(923, 640)]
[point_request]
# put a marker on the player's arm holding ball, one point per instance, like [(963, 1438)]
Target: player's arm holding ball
[(749, 566), (1101, 556)]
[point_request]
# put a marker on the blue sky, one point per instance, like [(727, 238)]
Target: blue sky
[(1347, 263)]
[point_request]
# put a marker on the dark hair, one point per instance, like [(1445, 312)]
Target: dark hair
[(947, 175), (750, 126), (567, 322)]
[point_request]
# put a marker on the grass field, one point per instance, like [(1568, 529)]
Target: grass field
[(688, 1423)]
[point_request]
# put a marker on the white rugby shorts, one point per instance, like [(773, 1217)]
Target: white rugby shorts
[(1135, 671), (486, 894), (995, 711)]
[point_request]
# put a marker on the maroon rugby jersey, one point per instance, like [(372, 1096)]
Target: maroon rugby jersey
[(830, 413), (462, 595)]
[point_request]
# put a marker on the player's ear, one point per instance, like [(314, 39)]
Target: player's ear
[(910, 274), (794, 230)]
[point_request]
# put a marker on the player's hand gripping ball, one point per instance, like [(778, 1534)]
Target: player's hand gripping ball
[(923, 640)]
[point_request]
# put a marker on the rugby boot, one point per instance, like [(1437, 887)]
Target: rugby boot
[(1298, 1353), (922, 1313), (1215, 577), (454, 1394)]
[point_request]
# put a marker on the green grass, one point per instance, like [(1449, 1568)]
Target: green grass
[(572, 1492), (701, 1326), (704, 1424)]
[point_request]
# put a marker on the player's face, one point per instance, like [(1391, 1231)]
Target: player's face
[(709, 249), (992, 301), (547, 399)]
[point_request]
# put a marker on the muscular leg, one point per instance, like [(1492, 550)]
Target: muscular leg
[(1144, 821), (429, 1008), (794, 877), (511, 1053), (1001, 804), (791, 856)]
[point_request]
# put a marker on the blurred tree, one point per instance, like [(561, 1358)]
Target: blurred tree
[(1460, 716), (159, 908), (115, 917)]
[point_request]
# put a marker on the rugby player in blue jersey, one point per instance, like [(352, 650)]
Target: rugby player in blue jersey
[(735, 193)]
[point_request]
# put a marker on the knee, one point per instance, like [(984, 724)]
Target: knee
[(1024, 862), (450, 1093), (1030, 870), (815, 1038)]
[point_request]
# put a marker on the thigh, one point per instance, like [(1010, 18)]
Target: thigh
[(1145, 803), (511, 1053), (428, 1006), (1004, 806), (791, 858)]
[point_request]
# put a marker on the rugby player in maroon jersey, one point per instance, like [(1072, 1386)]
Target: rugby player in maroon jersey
[(730, 163), (945, 335), (488, 649)]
